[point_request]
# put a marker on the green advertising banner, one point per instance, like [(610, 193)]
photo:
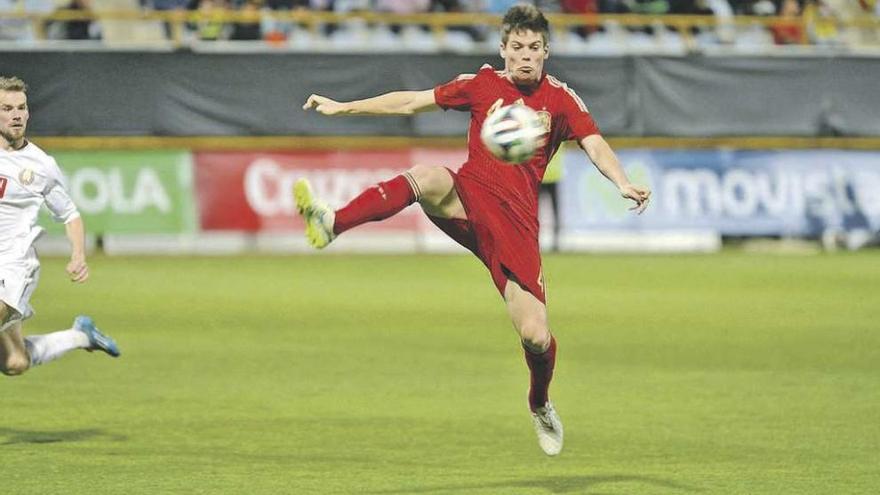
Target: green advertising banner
[(129, 192)]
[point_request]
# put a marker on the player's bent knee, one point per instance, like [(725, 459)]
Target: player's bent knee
[(14, 366), (535, 335), (433, 181)]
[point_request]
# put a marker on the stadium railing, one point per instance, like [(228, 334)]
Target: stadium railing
[(691, 33), (251, 143)]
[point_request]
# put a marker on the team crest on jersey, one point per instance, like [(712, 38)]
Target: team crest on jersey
[(544, 115), (26, 177)]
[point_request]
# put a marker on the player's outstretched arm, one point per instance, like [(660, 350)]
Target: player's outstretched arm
[(394, 103), (606, 161), (77, 268)]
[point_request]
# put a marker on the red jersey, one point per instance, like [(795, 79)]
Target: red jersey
[(514, 185)]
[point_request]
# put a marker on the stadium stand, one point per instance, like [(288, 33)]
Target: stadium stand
[(579, 26)]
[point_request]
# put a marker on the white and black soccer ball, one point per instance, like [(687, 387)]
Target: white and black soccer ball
[(513, 133)]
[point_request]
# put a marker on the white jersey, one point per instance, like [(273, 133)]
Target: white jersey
[(29, 178)]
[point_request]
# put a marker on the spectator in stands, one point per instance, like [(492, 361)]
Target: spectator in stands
[(289, 4), (248, 31), (275, 31), (340, 7), (9, 27), (458, 6), (501, 6), (164, 6), (446, 6), (343, 6), (210, 26), (725, 30), (581, 7), (548, 6), (82, 29), (403, 6), (613, 7), (648, 7), (761, 7), (822, 22), (22, 29), (789, 31), (850, 10), (756, 7), (644, 7), (689, 7)]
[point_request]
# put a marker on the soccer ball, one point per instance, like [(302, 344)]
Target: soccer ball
[(513, 133)]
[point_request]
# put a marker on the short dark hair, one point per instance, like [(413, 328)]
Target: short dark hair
[(524, 17), (12, 84)]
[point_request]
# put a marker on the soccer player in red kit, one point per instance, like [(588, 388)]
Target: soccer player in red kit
[(490, 207)]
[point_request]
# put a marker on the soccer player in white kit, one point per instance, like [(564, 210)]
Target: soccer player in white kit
[(30, 178)]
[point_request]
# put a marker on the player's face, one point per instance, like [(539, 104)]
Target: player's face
[(524, 55), (13, 116)]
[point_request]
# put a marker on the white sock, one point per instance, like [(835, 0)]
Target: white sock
[(45, 348)]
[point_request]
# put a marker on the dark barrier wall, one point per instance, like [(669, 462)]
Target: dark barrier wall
[(181, 94)]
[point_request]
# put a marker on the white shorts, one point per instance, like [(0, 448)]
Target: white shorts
[(18, 279)]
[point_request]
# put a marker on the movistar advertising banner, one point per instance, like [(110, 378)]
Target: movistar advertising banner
[(738, 193), (120, 192)]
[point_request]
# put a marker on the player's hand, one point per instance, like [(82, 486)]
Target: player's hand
[(641, 195), (78, 270), (324, 105)]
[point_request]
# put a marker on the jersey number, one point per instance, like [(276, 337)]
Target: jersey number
[(3, 181)]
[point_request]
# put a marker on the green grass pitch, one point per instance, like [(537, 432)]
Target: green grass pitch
[(720, 374)]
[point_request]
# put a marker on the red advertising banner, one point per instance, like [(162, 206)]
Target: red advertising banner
[(252, 192)]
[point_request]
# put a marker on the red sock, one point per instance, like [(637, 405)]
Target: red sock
[(379, 202), (541, 368)]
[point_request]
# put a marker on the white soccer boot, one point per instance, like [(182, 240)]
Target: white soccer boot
[(319, 218), (548, 426)]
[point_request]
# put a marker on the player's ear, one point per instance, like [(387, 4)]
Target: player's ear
[(501, 50)]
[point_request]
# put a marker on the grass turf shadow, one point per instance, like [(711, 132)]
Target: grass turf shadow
[(11, 436), (554, 484)]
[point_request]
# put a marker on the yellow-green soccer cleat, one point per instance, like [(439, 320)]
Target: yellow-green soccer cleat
[(318, 217), (548, 426)]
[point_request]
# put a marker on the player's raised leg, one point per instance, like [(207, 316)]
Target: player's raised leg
[(82, 335), (18, 354), (529, 316), (432, 186)]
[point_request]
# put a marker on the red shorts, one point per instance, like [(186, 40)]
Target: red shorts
[(507, 249)]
